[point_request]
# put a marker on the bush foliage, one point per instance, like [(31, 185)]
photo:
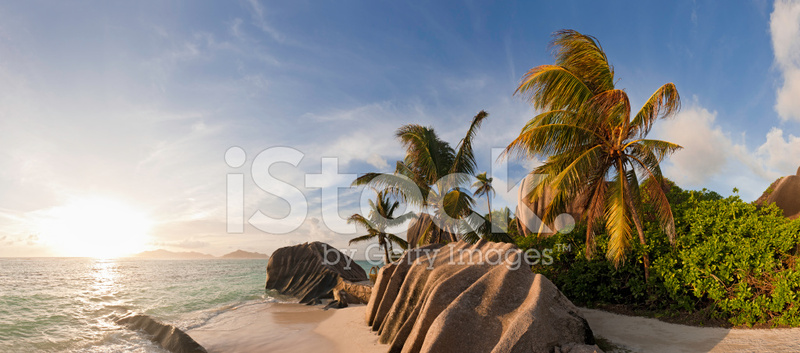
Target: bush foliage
[(732, 259)]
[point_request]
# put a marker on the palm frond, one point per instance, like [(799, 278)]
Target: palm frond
[(617, 223), (644, 148), (359, 220), (426, 154), (483, 186), (595, 206), (552, 139), (397, 240), (659, 200), (583, 54), (394, 222), (456, 203), (611, 108), (552, 87), (663, 103), (396, 184), (465, 157), (361, 238)]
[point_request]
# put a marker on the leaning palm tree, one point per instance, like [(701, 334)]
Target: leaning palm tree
[(484, 187), (381, 217), (433, 177), (592, 146)]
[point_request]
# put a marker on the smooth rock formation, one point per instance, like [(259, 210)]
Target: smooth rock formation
[(340, 300), (169, 337), (473, 298), (529, 213), (785, 193), (357, 293), (418, 227), (310, 271)]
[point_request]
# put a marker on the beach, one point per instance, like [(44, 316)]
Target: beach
[(641, 334), (282, 327)]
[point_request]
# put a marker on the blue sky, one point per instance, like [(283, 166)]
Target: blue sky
[(138, 102)]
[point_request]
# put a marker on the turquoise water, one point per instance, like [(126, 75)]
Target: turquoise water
[(68, 304)]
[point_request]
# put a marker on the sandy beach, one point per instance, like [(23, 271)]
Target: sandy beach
[(278, 327), (640, 334)]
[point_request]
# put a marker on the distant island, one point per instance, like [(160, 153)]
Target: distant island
[(166, 254), (241, 254)]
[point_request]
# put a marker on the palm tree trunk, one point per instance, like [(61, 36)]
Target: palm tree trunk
[(489, 203), (382, 242), (589, 243)]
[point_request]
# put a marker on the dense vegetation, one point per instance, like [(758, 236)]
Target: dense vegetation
[(716, 259), (595, 151), (732, 261)]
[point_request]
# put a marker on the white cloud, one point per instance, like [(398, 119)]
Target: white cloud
[(780, 154), (711, 158), (785, 30), (705, 147), (377, 161)]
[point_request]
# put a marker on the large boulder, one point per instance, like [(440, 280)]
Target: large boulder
[(167, 336), (461, 297), (310, 271), (785, 193), (530, 212)]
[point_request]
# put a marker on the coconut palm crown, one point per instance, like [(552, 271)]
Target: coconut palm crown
[(483, 187), (433, 176), (592, 146), (380, 217)]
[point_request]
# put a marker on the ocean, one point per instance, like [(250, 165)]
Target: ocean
[(69, 304)]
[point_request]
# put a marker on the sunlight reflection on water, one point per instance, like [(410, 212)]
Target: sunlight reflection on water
[(69, 304)]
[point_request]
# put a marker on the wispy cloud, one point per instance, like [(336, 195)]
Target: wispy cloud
[(785, 30), (260, 21), (712, 155)]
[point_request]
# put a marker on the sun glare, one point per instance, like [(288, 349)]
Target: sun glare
[(96, 227)]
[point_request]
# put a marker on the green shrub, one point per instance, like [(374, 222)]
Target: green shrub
[(731, 259), (736, 258), (589, 282)]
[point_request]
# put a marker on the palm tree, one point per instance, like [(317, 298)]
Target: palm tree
[(592, 146), (484, 187), (479, 227), (432, 176), (381, 217)]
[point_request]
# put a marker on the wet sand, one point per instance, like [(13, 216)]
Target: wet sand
[(284, 328)]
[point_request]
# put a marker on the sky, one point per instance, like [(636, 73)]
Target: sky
[(116, 117)]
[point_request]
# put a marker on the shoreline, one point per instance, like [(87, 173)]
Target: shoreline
[(287, 328)]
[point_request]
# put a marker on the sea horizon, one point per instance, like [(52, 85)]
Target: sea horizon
[(68, 304)]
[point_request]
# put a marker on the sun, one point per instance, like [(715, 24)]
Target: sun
[(96, 227)]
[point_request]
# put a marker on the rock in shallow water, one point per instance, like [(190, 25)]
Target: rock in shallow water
[(310, 271), (169, 337), (473, 298)]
